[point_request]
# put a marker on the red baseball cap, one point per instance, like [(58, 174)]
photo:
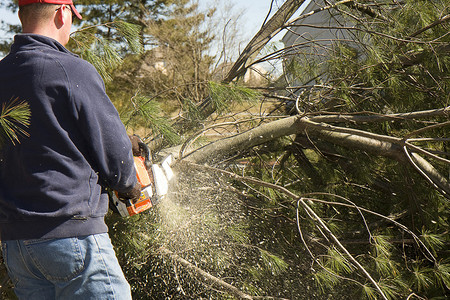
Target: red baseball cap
[(68, 2)]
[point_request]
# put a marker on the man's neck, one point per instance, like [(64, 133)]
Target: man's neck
[(44, 32)]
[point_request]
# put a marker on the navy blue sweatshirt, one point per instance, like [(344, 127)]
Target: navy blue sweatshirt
[(52, 184)]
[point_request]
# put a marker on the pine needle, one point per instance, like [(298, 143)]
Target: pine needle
[(382, 245), (337, 262), (104, 54), (324, 279), (443, 273), (421, 277), (224, 95), (149, 114), (385, 266), (433, 241), (369, 292), (131, 34), (275, 264), (14, 119)]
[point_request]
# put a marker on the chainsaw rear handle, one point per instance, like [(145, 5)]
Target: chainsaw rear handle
[(126, 208)]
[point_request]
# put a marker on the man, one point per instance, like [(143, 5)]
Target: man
[(52, 196)]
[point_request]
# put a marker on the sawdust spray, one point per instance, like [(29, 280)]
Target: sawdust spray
[(202, 221), (203, 212)]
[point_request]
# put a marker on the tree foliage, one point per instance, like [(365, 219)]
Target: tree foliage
[(366, 150)]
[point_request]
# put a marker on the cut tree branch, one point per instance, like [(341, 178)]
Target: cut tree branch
[(212, 279), (361, 118), (381, 145)]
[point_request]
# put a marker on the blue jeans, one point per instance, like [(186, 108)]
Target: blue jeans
[(70, 268)]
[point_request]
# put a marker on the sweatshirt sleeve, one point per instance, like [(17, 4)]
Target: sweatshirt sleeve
[(104, 133)]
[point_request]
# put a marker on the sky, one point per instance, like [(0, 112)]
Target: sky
[(254, 12)]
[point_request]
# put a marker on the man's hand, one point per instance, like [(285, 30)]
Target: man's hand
[(135, 140), (132, 195)]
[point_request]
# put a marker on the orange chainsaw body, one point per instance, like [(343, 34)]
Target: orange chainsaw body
[(144, 179)]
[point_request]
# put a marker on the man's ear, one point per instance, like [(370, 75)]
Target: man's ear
[(19, 13), (59, 17)]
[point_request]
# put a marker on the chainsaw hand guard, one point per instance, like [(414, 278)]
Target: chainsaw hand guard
[(162, 174)]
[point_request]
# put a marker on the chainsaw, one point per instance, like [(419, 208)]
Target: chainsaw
[(154, 180)]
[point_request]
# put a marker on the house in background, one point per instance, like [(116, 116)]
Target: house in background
[(310, 41), (256, 75), (153, 61)]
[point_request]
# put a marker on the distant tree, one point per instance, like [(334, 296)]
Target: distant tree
[(172, 74)]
